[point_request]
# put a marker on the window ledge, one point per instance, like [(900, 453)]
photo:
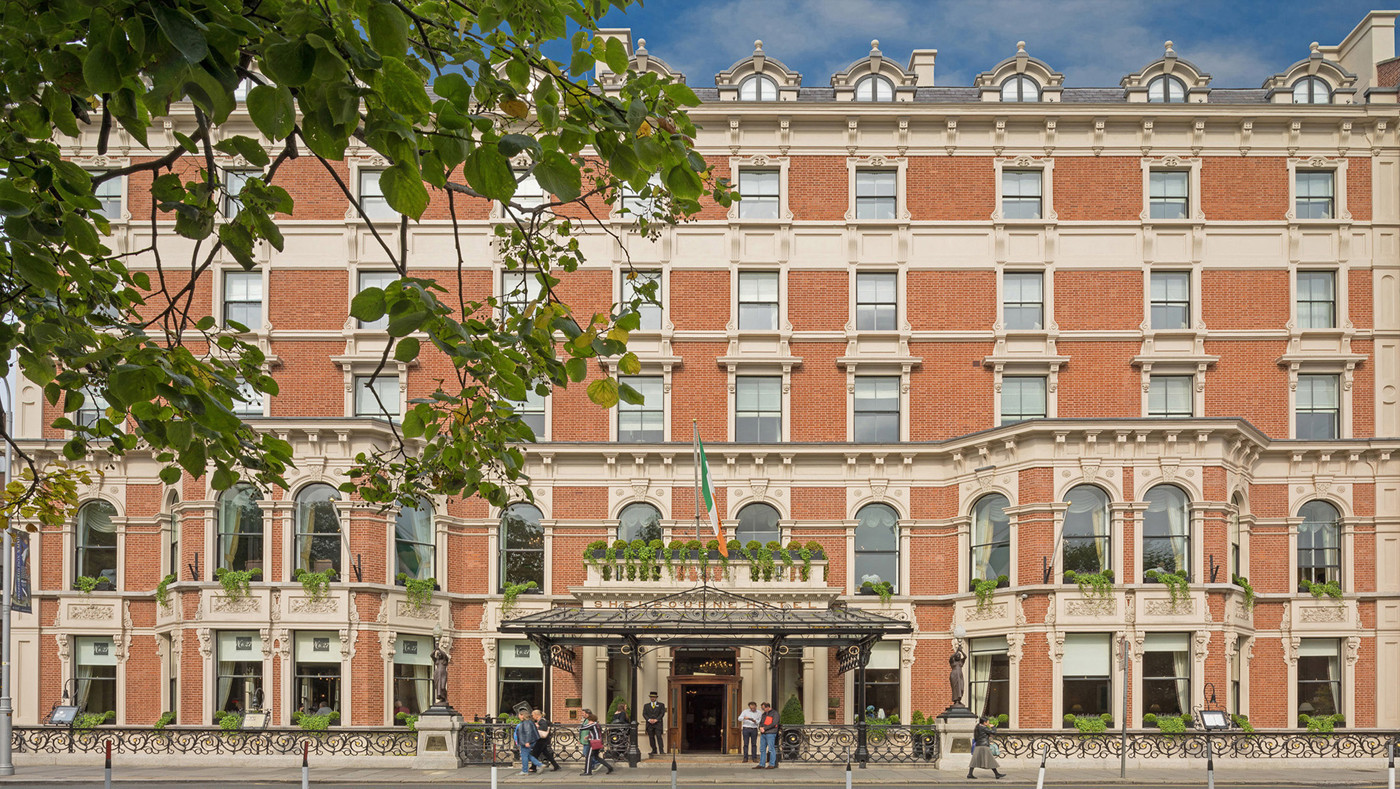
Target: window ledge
[(1186, 222)]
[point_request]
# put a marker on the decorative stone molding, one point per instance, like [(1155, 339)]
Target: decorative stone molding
[(1326, 613), (1014, 642), (206, 642), (90, 612), (383, 616), (1091, 606), (63, 644), (1290, 649), (1170, 607), (265, 636), (1057, 645), (1353, 650), (387, 644), (987, 613), (227, 605), (305, 605), (407, 610), (1202, 645)]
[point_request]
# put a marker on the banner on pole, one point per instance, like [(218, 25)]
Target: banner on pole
[(21, 588)]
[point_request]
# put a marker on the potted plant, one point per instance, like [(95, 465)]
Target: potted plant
[(1168, 724), (163, 591), (419, 591), (1328, 588), (236, 582), (1178, 587), (316, 584), (1243, 583), (1098, 584), (510, 592), (986, 588), (88, 585), (1090, 724), (881, 588)]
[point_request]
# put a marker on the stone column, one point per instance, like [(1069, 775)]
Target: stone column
[(813, 706)]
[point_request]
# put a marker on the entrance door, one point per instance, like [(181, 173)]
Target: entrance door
[(702, 718)]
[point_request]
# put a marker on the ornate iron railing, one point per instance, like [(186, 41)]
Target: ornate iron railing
[(493, 743), (1157, 745), (835, 744), (212, 741)]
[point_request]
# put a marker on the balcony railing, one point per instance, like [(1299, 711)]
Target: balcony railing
[(665, 566)]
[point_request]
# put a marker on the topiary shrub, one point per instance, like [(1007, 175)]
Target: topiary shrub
[(792, 714)]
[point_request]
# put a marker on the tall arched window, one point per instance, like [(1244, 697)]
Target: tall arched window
[(1320, 543), (639, 521), (873, 87), (1236, 552), (96, 543), (1166, 90), (1020, 88), (240, 529), (991, 538), (758, 522), (318, 529), (1312, 90), (522, 545), (1086, 539), (414, 541), (1166, 531), (758, 88), (877, 545)]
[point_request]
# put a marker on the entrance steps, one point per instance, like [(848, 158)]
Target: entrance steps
[(704, 757)]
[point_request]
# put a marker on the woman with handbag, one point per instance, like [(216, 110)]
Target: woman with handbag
[(982, 755), (591, 732)]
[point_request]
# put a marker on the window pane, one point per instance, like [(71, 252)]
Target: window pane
[(243, 298), (758, 522), (375, 279), (1315, 193), (387, 389), (1022, 397), (758, 409), (758, 88), (1317, 300), (758, 190), (644, 422), (372, 200), (758, 300), (1170, 396), (875, 301), (639, 522), (1022, 301), (649, 313), (522, 545), (991, 538), (876, 408), (234, 180), (1171, 300), (318, 529), (109, 194), (874, 88), (528, 192), (1318, 406), (876, 194), (877, 545), (1086, 536)]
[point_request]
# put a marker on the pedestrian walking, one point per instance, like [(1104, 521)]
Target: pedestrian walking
[(526, 735), (543, 749), (591, 732), (748, 720), (767, 738), (982, 756)]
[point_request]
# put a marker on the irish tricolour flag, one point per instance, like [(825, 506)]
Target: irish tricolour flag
[(707, 492)]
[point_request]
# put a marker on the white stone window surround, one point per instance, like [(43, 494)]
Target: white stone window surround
[(663, 291), (1045, 367), (1188, 164), (899, 165), (1198, 648), (1196, 509), (902, 526), (264, 328), (1342, 367), (661, 368), (1056, 639), (1047, 299), (1347, 522), (1119, 511), (872, 369), (440, 568), (1046, 166), (775, 368), (1196, 82), (1194, 323), (765, 162), (284, 511), (1050, 83), (1341, 305), (354, 165), (93, 163), (1168, 366), (271, 511), (784, 327), (728, 82), (964, 523), (355, 367), (543, 502), (70, 540), (902, 327), (1341, 215), (1349, 647)]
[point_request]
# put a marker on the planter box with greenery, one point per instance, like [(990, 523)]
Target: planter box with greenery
[(88, 585), (1168, 724), (1319, 590), (651, 561), (1098, 584), (884, 589), (1090, 724)]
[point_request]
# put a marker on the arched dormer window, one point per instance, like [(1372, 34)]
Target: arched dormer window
[(1312, 90), (1020, 88), (639, 521), (758, 88), (758, 522), (874, 87), (1166, 90)]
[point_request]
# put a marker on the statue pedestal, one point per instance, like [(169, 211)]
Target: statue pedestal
[(438, 729), (954, 726)]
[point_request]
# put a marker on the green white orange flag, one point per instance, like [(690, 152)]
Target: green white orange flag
[(707, 491)]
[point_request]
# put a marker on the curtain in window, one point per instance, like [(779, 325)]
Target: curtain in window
[(85, 677), (239, 516), (226, 671), (97, 540), (413, 535), (981, 675), (1165, 525), (991, 538), (1087, 517), (318, 525), (1181, 666)]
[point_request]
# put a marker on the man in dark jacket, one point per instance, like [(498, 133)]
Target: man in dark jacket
[(654, 713), (542, 749), (526, 735)]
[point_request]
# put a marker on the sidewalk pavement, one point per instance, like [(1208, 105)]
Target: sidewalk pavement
[(1358, 772)]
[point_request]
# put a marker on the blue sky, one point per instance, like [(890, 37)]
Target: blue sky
[(1093, 42)]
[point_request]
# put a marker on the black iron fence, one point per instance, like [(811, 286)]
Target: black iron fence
[(1158, 745), (215, 741), (494, 743), (836, 744)]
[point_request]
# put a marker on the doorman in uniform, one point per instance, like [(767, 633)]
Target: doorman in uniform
[(654, 713)]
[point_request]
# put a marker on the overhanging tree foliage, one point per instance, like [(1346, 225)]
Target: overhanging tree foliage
[(448, 91)]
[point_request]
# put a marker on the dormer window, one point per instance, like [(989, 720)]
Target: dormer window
[(1020, 88), (758, 88), (874, 88), (1312, 90), (1166, 90)]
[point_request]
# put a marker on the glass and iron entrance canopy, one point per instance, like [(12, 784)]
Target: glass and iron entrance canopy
[(706, 615)]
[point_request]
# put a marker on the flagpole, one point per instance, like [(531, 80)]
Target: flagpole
[(695, 451)]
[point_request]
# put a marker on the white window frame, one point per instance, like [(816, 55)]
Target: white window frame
[(898, 165), (1343, 418), (1168, 381), (118, 202), (1341, 214), (256, 405), (1043, 276), (535, 404), (785, 390), (377, 278), (856, 302), (1337, 301), (371, 196), (533, 289), (1046, 166), (648, 407), (1193, 298), (229, 205), (1000, 395), (390, 388), (529, 193), (900, 398), (780, 316), (627, 293), (1190, 165), (254, 276), (737, 164)]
